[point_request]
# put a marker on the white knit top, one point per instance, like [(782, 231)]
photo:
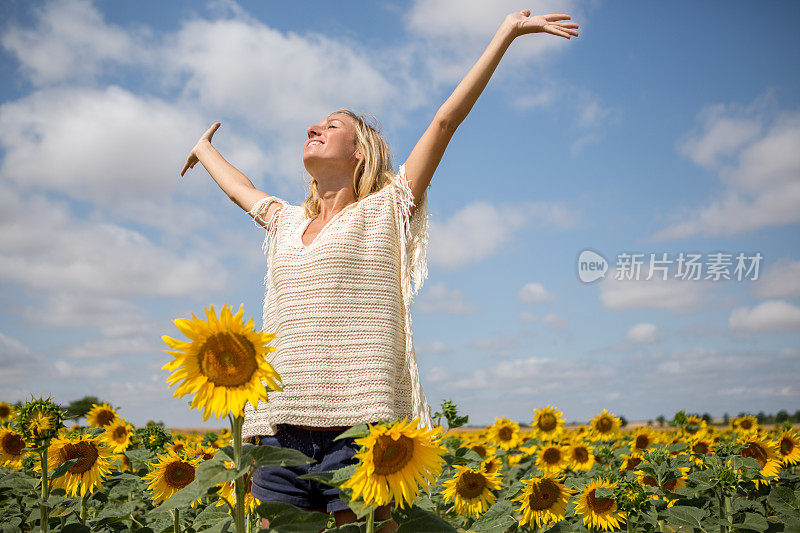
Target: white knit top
[(340, 311)]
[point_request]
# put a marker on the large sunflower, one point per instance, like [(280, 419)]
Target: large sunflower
[(744, 424), (11, 445), (580, 456), (118, 435), (544, 501), (100, 415), (170, 474), (552, 459), (599, 513), (471, 490), (605, 425), (224, 363), (548, 422), (394, 461), (505, 433), (95, 461), (766, 454), (642, 439), (789, 447)]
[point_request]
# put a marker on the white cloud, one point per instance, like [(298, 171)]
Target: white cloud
[(680, 296), (644, 333), (433, 348), (534, 293), (71, 41), (481, 229), (111, 316), (555, 320), (758, 171), (438, 298), (782, 280), (772, 316)]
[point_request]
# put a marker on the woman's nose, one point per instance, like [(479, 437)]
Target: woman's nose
[(313, 130)]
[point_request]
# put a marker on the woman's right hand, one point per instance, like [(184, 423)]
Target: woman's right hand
[(205, 138)]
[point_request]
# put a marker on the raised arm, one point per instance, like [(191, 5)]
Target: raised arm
[(428, 152), (232, 182)]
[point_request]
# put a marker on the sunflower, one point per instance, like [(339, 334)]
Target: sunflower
[(642, 439), (580, 457), (599, 513), (482, 448), (667, 487), (170, 474), (744, 424), (630, 461), (393, 461), (699, 447), (40, 420), (224, 363), (204, 452), (94, 463), (492, 464), (118, 435), (505, 433), (11, 445), (227, 492), (178, 446), (548, 422), (471, 490), (6, 412), (605, 425), (552, 459), (100, 415), (789, 447), (766, 454), (544, 501), (124, 462)]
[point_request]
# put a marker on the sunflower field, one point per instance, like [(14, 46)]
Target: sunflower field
[(108, 475)]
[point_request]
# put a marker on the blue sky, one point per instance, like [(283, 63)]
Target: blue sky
[(663, 128)]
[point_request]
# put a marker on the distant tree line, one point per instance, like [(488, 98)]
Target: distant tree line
[(762, 417)]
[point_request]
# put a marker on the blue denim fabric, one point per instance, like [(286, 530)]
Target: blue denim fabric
[(282, 484)]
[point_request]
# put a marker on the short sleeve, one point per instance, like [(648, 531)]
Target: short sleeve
[(414, 232), (259, 211)]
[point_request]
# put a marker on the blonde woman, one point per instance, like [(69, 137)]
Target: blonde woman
[(342, 269)]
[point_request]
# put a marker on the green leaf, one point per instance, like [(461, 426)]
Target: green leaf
[(334, 478), (497, 518), (783, 500), (357, 506), (259, 456), (682, 515), (221, 526), (210, 516), (604, 492), (417, 520), (62, 469), (754, 522), (356, 432), (286, 518)]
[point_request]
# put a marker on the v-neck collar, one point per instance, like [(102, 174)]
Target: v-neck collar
[(304, 226)]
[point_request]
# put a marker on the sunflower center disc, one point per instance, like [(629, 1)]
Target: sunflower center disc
[(700, 448), (119, 434), (670, 485), (470, 485), (757, 452), (85, 452), (480, 450), (391, 455), (505, 433), (12, 444), (105, 417), (543, 495), (547, 422), (552, 456), (178, 474), (5, 411), (228, 360), (633, 462), (599, 505), (604, 425), (642, 442), (787, 446), (580, 454), (746, 425)]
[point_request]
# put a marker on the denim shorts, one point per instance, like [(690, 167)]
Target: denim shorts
[(282, 484)]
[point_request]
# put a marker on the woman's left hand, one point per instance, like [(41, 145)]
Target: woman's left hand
[(521, 22)]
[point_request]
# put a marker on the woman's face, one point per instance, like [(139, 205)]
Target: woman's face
[(331, 144)]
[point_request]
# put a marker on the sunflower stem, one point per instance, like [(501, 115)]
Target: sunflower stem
[(371, 521), (722, 514), (239, 488), (176, 521), (84, 499), (43, 509)]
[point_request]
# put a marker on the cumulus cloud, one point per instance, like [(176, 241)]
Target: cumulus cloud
[(644, 333), (781, 280), (534, 293), (757, 165), (678, 296), (438, 298), (775, 316)]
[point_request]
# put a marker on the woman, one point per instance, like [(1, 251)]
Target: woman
[(342, 269)]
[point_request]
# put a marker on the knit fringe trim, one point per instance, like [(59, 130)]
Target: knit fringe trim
[(413, 260)]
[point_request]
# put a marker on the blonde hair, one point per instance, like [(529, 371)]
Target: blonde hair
[(374, 170)]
